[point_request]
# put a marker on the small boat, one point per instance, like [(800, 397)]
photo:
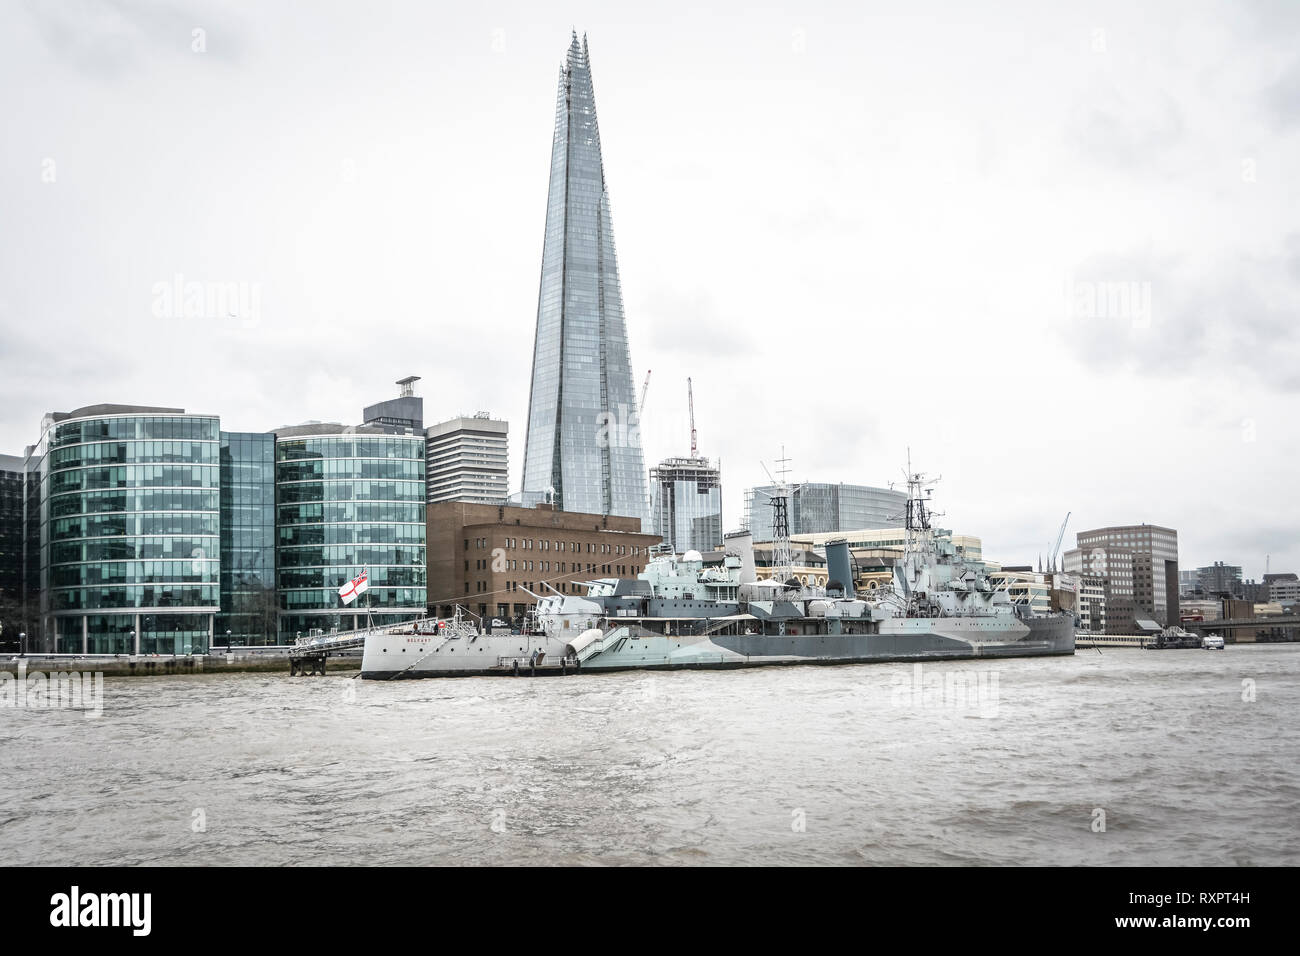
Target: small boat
[(1212, 642)]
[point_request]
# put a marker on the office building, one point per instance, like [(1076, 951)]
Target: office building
[(582, 450), (13, 619), (1139, 564), (348, 499), (686, 507), (487, 559), (1219, 580), (820, 508), (129, 524), (249, 604), (469, 460)]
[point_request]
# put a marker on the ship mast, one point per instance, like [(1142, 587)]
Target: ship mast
[(782, 560)]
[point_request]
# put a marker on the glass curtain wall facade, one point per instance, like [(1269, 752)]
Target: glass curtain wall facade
[(348, 501), (129, 519), (687, 505), (583, 441), (12, 490), (249, 607), (817, 507)]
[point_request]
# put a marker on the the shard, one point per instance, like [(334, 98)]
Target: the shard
[(583, 448)]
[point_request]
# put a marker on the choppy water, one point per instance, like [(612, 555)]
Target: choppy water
[(797, 765)]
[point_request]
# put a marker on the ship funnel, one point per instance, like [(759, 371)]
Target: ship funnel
[(742, 542), (839, 565)]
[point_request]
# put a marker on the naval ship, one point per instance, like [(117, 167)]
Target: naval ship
[(681, 613)]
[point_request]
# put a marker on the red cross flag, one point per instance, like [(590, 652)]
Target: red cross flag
[(352, 590)]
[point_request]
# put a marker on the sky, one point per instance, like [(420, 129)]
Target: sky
[(1051, 251)]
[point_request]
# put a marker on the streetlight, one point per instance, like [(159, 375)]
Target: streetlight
[(22, 644)]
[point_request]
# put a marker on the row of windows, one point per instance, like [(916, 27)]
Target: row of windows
[(137, 427), (128, 549), (483, 564), (349, 555), (135, 595), (363, 511), (169, 499), (103, 526), (328, 598), (315, 469), (352, 534), (542, 544), (136, 476), (193, 571), (357, 490), (356, 446), (135, 452)]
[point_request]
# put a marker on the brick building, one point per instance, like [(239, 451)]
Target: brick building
[(482, 557)]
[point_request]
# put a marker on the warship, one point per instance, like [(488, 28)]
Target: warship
[(682, 612)]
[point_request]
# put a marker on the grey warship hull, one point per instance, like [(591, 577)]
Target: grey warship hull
[(634, 646)]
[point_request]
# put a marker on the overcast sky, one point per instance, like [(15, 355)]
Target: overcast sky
[(1052, 249)]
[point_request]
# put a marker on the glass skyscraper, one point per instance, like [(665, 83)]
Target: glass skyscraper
[(583, 444), (687, 507)]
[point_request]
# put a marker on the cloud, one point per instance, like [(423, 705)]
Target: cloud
[(1120, 130), (1164, 316), (109, 39)]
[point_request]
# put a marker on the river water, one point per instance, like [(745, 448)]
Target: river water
[(1121, 757)]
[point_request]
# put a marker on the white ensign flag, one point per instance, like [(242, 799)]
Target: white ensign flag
[(352, 590)]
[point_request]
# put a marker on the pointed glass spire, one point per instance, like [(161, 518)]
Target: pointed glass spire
[(583, 441)]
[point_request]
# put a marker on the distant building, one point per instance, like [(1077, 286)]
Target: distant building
[(487, 558), (1092, 604), (401, 415), (1219, 579), (1111, 570), (469, 459), (888, 543), (819, 508), (1283, 588), (1152, 555), (686, 508)]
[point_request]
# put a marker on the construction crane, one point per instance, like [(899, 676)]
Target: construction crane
[(641, 404), (690, 401), (1057, 547)]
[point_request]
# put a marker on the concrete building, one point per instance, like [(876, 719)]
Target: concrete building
[(1112, 570), (488, 558), (819, 508), (1153, 559), (1219, 579), (1283, 588), (888, 542), (686, 508), (469, 459), (403, 415), (1092, 604)]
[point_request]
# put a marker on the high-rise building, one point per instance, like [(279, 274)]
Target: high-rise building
[(1152, 562), (817, 507), (1111, 571), (469, 460), (583, 446), (686, 510)]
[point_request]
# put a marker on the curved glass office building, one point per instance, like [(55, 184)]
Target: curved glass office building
[(129, 530), (348, 500)]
